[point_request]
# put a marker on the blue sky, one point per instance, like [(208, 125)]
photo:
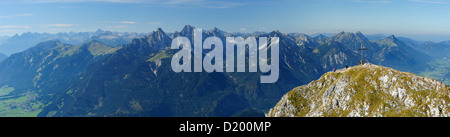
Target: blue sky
[(418, 19)]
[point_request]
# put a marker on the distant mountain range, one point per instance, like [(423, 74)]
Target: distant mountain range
[(436, 50), (18, 43), (324, 34), (93, 78)]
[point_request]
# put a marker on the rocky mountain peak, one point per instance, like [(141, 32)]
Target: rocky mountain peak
[(304, 39), (275, 33), (320, 36), (158, 35), (366, 90), (348, 35), (157, 40), (99, 31), (351, 41), (391, 41), (159, 30), (187, 29), (358, 33), (392, 37), (216, 30)]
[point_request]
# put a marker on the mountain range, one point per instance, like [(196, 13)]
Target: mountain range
[(18, 43), (95, 78)]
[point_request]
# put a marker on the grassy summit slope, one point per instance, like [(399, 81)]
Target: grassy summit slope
[(366, 90)]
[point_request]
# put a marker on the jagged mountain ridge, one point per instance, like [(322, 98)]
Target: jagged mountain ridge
[(437, 50), (396, 54), (142, 84), (390, 52), (352, 41), (18, 43), (332, 54), (366, 90)]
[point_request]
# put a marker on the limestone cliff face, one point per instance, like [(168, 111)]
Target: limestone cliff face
[(366, 91)]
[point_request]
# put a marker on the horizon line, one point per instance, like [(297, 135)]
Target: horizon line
[(308, 34)]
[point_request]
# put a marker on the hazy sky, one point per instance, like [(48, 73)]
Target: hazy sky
[(418, 19)]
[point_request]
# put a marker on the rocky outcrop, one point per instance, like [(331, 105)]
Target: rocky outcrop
[(366, 91)]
